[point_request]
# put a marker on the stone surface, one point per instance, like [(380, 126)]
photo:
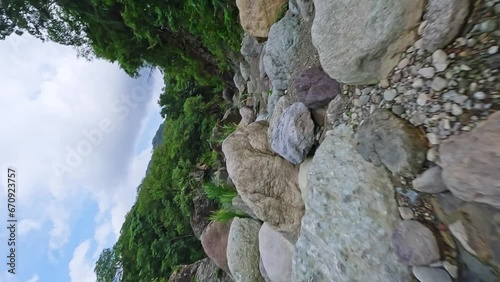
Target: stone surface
[(247, 116), (293, 134), (350, 214), (359, 41), (209, 272), (250, 48), (335, 109), (202, 270), (243, 250), (471, 163), (239, 82), (306, 8), (303, 176), (430, 274), (276, 254), (203, 208), (214, 242), (444, 19), (406, 213), (245, 70), (386, 139), (430, 181), (281, 51), (240, 205), (282, 102), (263, 271), (315, 88), (266, 182), (257, 17), (415, 244)]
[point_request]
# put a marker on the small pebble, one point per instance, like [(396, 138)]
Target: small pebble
[(427, 72), (403, 63), (465, 67), (497, 9), (366, 91), (479, 95), (433, 139), (429, 274), (384, 83), (432, 154), (406, 213), (439, 83), (452, 269), (473, 87), (390, 94), (398, 109), (422, 99), (418, 83), (493, 50), (488, 25), (456, 110), (460, 99), (363, 100)]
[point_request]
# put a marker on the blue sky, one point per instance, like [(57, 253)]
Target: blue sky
[(79, 134)]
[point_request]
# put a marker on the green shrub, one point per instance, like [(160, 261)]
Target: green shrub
[(225, 131), (225, 214), (223, 194)]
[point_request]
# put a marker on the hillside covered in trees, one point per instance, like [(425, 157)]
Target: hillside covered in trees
[(193, 43)]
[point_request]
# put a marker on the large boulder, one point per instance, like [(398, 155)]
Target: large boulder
[(415, 244), (471, 163), (258, 16), (214, 242), (276, 254), (359, 41), (202, 270), (444, 18), (281, 51), (293, 134), (266, 182), (315, 88), (350, 215), (243, 250), (203, 208), (386, 139)]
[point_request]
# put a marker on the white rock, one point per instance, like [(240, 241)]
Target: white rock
[(418, 44), (418, 83), (384, 83), (440, 67), (432, 154), (428, 72), (493, 50), (459, 99), (440, 60), (403, 63), (439, 83), (452, 269), (421, 27), (456, 110), (465, 67), (480, 95), (422, 99), (446, 124), (429, 274), (406, 213), (433, 139), (473, 87)]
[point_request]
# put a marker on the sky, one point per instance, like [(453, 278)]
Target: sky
[(79, 135)]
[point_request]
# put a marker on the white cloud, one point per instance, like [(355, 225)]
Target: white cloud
[(80, 268), (55, 105), (34, 278)]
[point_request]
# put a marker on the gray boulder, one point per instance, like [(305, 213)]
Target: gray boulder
[(359, 41), (415, 244), (250, 48), (430, 181), (243, 250), (293, 7), (276, 254), (471, 163), (315, 88), (386, 139), (247, 116), (239, 82), (445, 19), (245, 70), (293, 134), (343, 235), (281, 51), (306, 8)]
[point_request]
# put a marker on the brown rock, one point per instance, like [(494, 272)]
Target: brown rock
[(257, 16), (315, 88), (214, 242), (266, 182), (471, 163)]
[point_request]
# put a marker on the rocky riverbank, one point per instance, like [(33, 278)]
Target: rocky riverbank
[(369, 144)]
